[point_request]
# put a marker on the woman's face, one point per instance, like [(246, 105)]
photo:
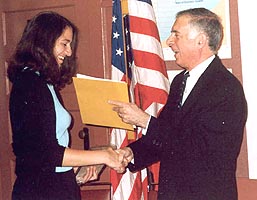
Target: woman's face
[(62, 47)]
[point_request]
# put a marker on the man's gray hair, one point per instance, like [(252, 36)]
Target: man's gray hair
[(208, 22)]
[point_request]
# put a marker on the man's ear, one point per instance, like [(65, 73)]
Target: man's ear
[(201, 40)]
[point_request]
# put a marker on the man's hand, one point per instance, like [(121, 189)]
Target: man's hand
[(128, 155), (116, 159), (130, 113)]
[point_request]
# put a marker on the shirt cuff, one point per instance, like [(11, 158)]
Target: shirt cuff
[(144, 130)]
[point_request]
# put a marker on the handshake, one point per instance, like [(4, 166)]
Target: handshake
[(118, 159)]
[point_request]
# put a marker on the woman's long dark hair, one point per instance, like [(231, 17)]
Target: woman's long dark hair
[(35, 50)]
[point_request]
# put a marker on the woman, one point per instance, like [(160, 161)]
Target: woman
[(43, 63)]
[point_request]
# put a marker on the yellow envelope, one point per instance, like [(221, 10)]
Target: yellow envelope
[(93, 95)]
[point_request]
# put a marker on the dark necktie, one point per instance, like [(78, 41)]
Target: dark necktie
[(182, 88)]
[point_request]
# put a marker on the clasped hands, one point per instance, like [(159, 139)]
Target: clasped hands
[(116, 159), (123, 156)]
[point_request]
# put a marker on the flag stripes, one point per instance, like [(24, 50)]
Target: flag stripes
[(143, 26), (152, 61), (151, 75), (141, 9), (146, 43)]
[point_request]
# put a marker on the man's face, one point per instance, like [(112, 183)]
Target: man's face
[(183, 43)]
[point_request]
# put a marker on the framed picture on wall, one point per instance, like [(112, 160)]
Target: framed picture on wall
[(165, 11)]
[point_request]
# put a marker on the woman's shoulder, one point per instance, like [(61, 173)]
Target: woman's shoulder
[(30, 87), (29, 82), (28, 77)]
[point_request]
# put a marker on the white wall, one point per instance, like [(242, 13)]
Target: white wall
[(247, 12)]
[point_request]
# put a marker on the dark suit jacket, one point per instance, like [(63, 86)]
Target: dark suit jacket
[(197, 145)]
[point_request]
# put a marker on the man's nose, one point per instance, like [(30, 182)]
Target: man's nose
[(170, 40)]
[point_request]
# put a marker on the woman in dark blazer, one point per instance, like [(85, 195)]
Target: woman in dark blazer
[(198, 143), (43, 63)]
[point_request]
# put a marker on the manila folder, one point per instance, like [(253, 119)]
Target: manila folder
[(93, 95)]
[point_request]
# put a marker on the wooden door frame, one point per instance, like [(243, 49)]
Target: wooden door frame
[(5, 145)]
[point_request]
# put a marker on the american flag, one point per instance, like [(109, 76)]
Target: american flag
[(137, 59)]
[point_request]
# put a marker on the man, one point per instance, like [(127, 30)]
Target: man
[(197, 139)]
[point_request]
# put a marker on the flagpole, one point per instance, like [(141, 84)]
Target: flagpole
[(124, 11)]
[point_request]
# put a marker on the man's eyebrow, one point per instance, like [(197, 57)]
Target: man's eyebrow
[(174, 31)]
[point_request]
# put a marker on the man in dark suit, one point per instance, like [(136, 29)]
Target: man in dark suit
[(198, 139)]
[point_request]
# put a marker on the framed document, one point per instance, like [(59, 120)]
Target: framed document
[(165, 12)]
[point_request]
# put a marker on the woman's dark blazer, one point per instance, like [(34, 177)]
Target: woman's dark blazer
[(197, 145), (33, 123), (35, 146)]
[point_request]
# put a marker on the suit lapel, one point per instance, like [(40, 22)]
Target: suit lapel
[(196, 94)]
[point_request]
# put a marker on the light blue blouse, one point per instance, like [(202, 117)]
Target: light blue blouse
[(63, 121)]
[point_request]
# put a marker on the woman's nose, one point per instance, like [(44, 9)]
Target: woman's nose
[(68, 51)]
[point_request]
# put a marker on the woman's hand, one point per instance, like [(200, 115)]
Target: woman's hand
[(88, 173), (91, 174)]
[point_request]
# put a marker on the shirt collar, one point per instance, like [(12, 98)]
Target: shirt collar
[(199, 69)]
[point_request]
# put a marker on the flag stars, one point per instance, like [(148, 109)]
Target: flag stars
[(116, 35), (119, 52), (114, 18)]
